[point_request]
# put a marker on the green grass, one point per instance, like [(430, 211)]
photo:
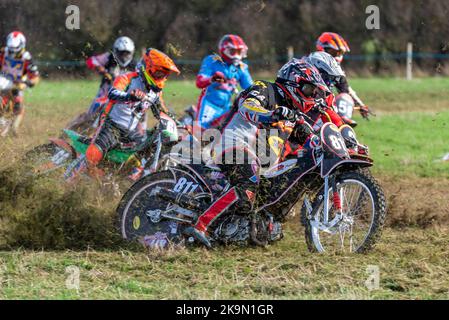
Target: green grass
[(399, 95), (405, 139), (408, 143)]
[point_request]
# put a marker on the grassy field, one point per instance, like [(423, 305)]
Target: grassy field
[(46, 228)]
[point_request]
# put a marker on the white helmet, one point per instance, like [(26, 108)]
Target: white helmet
[(15, 43), (123, 50), (330, 69)]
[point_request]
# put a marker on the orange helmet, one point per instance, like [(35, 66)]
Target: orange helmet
[(334, 44), (156, 66)]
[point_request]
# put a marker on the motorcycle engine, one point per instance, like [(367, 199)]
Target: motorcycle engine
[(234, 229)]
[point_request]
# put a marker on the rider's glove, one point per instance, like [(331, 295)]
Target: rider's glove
[(108, 76), (218, 77), (302, 131), (137, 95), (364, 111), (284, 113), (321, 105)]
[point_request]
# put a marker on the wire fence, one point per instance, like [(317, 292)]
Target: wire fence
[(259, 61), (407, 64)]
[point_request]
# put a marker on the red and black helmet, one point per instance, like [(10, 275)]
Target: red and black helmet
[(232, 48), (334, 44), (302, 83)]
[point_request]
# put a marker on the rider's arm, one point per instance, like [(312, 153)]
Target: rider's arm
[(356, 98), (342, 86), (254, 110), (31, 72), (245, 77), (98, 62), (118, 91), (162, 104), (204, 77)]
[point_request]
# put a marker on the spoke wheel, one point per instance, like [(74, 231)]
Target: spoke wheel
[(355, 228)]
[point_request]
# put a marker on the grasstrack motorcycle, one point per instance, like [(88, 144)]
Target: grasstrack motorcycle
[(343, 206), (66, 154)]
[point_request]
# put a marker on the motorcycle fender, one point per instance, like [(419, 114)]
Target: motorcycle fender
[(64, 145), (187, 169), (347, 163)]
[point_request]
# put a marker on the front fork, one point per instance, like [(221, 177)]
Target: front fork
[(153, 167), (330, 182)]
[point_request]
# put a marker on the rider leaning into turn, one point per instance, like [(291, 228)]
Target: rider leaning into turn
[(218, 78), (109, 65), (337, 47), (16, 64), (119, 123), (298, 86)]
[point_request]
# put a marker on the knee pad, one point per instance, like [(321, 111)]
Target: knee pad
[(94, 155), (247, 198)]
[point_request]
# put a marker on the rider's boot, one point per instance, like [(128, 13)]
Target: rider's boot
[(93, 156), (198, 235), (198, 231)]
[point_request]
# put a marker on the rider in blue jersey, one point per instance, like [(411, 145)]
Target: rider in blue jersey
[(218, 78)]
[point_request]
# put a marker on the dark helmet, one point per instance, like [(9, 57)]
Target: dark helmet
[(302, 83), (329, 68)]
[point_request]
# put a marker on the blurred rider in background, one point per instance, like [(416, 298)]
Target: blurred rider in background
[(337, 47), (121, 122), (16, 65), (109, 65), (219, 76)]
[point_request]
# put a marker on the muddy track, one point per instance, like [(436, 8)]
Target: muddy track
[(43, 214), (415, 201)]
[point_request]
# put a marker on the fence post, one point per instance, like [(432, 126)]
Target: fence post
[(409, 66), (290, 53)]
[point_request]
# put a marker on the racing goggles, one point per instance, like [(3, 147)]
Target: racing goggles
[(330, 80), (309, 90), (161, 74), (234, 53), (124, 55)]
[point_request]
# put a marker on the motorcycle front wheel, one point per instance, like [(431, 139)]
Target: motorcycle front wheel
[(354, 229)]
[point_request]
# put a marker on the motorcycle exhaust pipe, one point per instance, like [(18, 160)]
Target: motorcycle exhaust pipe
[(183, 200)]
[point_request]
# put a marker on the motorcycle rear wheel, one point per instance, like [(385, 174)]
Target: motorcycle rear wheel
[(45, 159), (139, 206)]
